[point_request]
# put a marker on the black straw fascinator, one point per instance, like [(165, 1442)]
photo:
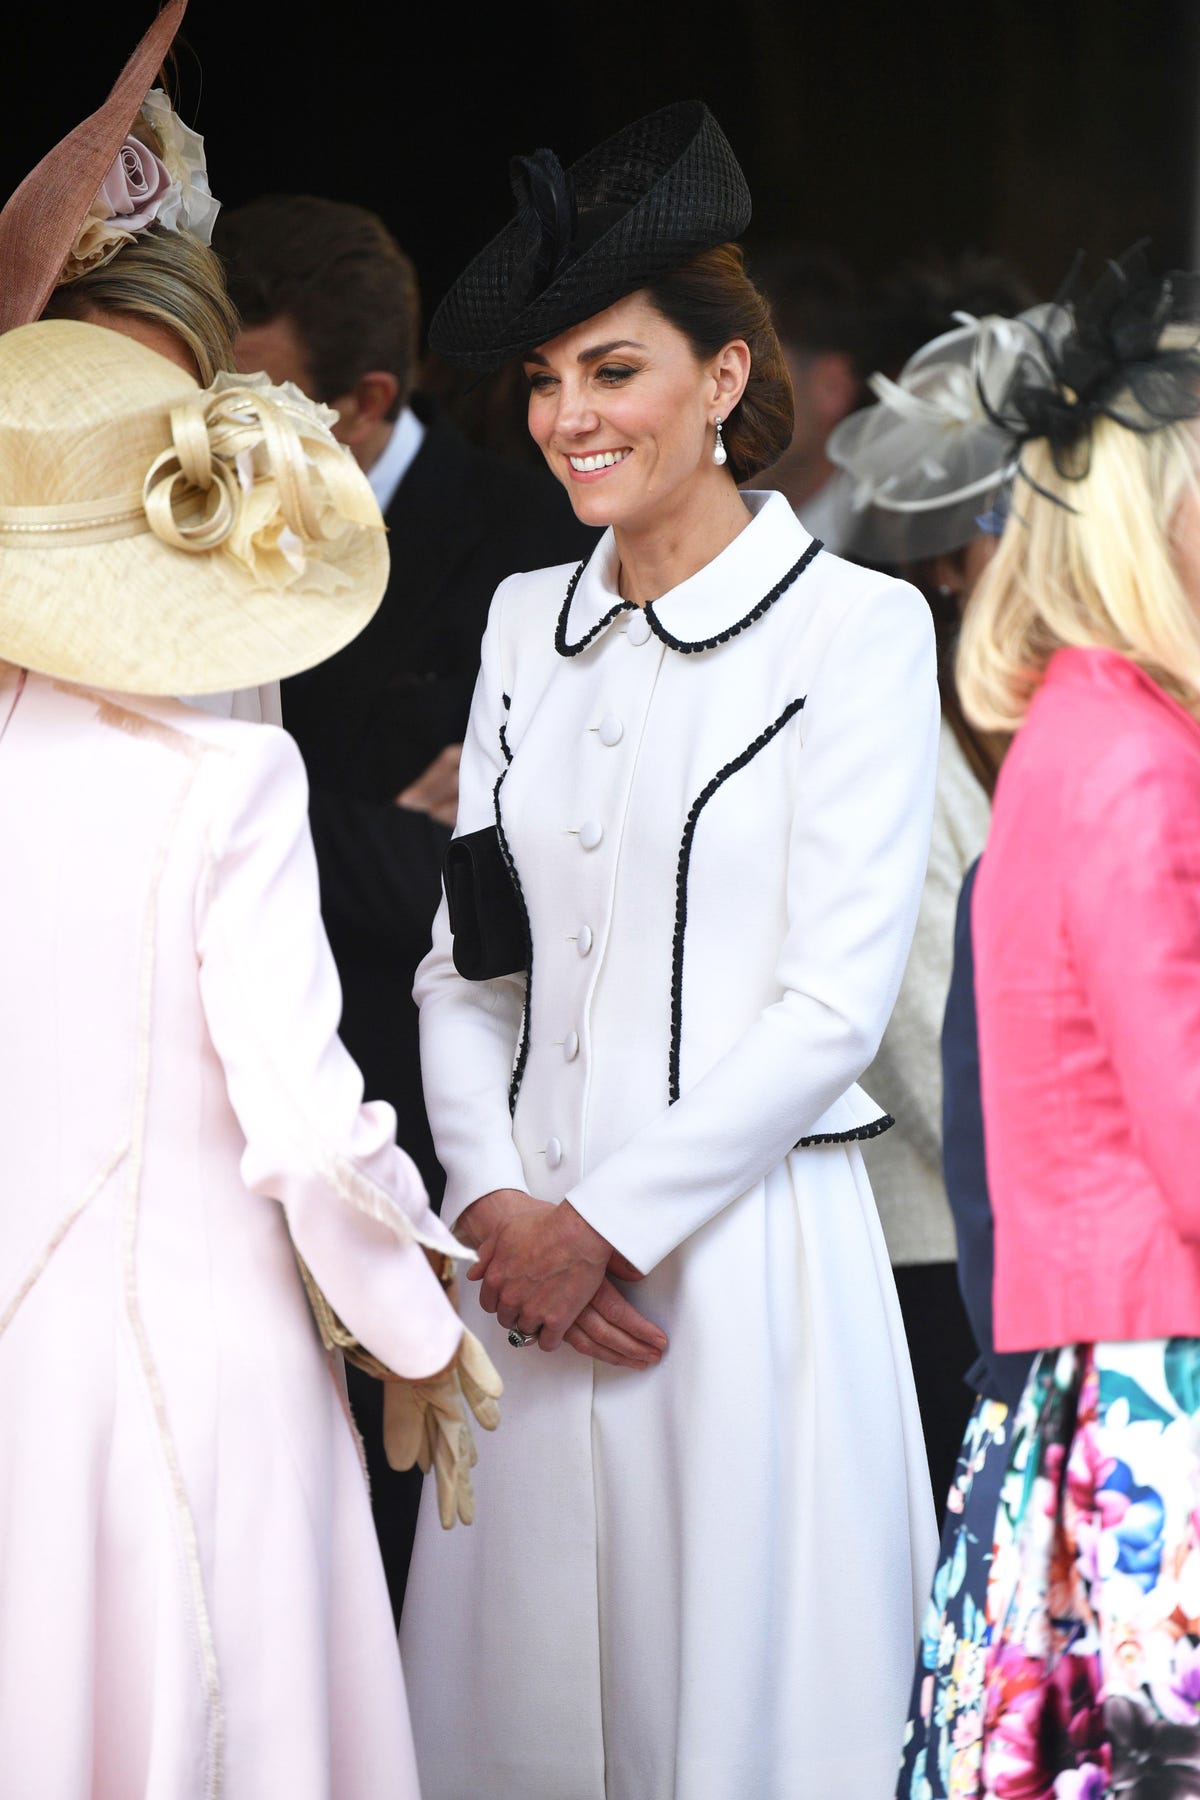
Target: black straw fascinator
[(626, 214), (1127, 349)]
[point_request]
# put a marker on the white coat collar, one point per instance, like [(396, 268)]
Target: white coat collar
[(721, 600)]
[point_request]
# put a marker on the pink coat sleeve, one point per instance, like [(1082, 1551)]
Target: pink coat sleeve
[(1132, 920), (356, 1207)]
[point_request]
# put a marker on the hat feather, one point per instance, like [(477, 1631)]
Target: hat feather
[(543, 187)]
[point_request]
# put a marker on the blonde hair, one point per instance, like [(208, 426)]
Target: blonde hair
[(1100, 575), (167, 276)]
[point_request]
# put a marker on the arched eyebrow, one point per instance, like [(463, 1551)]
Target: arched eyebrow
[(592, 355)]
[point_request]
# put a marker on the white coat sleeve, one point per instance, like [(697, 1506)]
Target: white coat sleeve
[(469, 1029), (856, 863), (356, 1207)]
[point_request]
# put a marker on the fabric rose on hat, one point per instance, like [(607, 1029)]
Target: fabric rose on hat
[(132, 194), (158, 177), (97, 243), (136, 188)]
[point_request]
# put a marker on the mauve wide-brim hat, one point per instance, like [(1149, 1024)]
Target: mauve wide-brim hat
[(631, 211), (45, 215), (157, 537)]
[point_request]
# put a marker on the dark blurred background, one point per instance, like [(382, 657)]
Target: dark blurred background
[(1014, 126)]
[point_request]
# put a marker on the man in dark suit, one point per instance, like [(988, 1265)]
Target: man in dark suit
[(328, 300)]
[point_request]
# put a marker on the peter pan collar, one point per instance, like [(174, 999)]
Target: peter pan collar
[(720, 601)]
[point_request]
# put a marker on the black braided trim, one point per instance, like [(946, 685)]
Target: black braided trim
[(523, 1046), (681, 881), (504, 741), (689, 647), (876, 1128), (560, 630)]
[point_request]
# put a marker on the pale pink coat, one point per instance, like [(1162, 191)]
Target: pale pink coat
[(191, 1600)]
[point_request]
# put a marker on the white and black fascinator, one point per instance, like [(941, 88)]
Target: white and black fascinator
[(1126, 349), (944, 443)]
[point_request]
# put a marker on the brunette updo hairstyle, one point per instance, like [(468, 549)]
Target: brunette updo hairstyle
[(712, 300)]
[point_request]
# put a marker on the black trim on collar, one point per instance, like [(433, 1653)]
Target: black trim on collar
[(523, 1045), (876, 1128), (560, 630), (686, 646), (681, 877)]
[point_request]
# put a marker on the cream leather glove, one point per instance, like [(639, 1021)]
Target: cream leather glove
[(424, 1423)]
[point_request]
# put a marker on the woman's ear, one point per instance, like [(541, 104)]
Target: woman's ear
[(730, 372)]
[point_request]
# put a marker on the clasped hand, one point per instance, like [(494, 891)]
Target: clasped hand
[(544, 1269)]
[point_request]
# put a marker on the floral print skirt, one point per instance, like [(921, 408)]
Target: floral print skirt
[(1082, 1679), (945, 1724)]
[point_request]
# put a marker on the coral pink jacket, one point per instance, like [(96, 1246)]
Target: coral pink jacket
[(1087, 943)]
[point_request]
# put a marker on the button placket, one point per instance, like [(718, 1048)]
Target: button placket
[(612, 713)]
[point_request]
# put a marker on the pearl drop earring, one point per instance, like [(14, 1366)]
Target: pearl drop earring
[(719, 452)]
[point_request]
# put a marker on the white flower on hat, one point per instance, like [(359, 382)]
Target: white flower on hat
[(192, 208)]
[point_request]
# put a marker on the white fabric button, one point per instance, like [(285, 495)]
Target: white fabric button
[(639, 628), (553, 1153), (590, 833), (571, 1046), (611, 730), (583, 940)]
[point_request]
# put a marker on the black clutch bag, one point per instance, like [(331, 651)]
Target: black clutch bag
[(487, 916)]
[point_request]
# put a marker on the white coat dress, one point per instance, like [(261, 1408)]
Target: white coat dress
[(192, 1605), (697, 1582)]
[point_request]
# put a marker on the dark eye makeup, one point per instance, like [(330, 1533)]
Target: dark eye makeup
[(541, 381)]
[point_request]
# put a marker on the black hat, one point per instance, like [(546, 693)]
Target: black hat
[(623, 216)]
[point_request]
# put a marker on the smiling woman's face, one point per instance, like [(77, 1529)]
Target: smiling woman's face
[(622, 410)]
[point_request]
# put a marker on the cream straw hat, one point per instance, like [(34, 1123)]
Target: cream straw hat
[(159, 538)]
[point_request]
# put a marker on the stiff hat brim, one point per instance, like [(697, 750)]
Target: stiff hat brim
[(44, 216), (631, 211), (141, 619), (84, 411)]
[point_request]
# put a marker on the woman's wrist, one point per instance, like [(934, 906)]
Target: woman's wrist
[(485, 1215), (581, 1236)]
